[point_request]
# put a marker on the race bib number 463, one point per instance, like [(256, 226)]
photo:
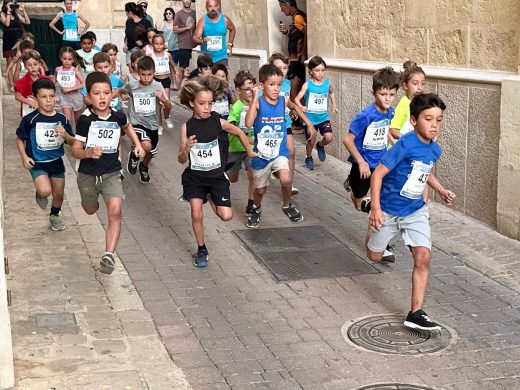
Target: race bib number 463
[(104, 135)]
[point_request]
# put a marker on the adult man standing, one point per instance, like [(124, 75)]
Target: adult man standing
[(211, 33), (143, 4), (184, 26)]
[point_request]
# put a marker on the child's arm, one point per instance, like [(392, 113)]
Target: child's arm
[(170, 61), (27, 162), (53, 22), (80, 153), (310, 127), (253, 109), (12, 64), (300, 96), (377, 218), (69, 139), (447, 196), (138, 149), (16, 72), (185, 144), (161, 95), (348, 141), (244, 139), (25, 100), (44, 66), (332, 96)]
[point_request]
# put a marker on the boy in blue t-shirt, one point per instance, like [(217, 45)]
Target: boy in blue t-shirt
[(40, 139), (398, 204)]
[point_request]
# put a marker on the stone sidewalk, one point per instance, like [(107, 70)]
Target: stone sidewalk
[(72, 327)]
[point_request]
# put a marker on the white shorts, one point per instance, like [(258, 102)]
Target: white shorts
[(261, 176), (414, 229)]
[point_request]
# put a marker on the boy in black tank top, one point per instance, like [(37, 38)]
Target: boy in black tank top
[(203, 143)]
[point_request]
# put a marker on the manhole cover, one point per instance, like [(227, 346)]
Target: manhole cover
[(55, 319), (387, 334), (394, 386), (302, 252)]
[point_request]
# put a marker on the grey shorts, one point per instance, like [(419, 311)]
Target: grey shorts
[(73, 100), (90, 187), (414, 229), (236, 160), (262, 176)]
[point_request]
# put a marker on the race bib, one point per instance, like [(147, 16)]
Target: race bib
[(205, 156), (417, 179), (214, 43), (105, 135), (268, 143), (66, 78), (407, 127), (71, 34), (47, 137), (376, 136), (145, 103), (162, 66), (26, 109), (221, 106), (318, 102), (114, 103)]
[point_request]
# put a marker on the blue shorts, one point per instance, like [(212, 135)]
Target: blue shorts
[(52, 169), (323, 127), (175, 56)]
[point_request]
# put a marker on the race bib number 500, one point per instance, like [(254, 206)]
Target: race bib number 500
[(104, 135), (145, 103)]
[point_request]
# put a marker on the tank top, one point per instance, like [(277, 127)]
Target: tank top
[(208, 157), (66, 78), (170, 38), (217, 32), (162, 64), (317, 101), (70, 25)]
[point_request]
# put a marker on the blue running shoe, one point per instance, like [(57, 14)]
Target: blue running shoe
[(322, 155), (200, 259), (309, 163)]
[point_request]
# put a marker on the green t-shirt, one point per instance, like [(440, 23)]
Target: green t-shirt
[(237, 116), (401, 120)]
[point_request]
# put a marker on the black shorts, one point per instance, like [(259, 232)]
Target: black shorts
[(151, 136), (296, 69), (74, 44), (198, 187), (359, 186), (184, 58), (289, 131), (323, 127), (166, 82)]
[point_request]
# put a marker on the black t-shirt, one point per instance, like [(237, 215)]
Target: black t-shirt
[(130, 31), (210, 136), (104, 132)]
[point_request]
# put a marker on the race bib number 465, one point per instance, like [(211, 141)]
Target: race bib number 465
[(268, 144), (104, 135)]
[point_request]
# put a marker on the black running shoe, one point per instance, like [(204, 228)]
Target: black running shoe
[(133, 161), (365, 204), (292, 213), (420, 320), (200, 259), (144, 176), (253, 220), (389, 255)]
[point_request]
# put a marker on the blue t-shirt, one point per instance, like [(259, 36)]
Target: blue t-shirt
[(317, 101), (410, 162), (285, 91), (116, 83), (42, 142), (270, 132), (371, 129)]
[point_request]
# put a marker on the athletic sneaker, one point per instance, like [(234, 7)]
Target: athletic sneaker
[(122, 174), (168, 123), (133, 162), (389, 255), (365, 204), (182, 199), (55, 223), (346, 185), (292, 212), (322, 155), (107, 263), (249, 210), (309, 163), (200, 259), (160, 130), (42, 201), (144, 176), (295, 191), (420, 320), (253, 220)]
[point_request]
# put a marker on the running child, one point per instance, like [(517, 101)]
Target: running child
[(23, 86), (40, 139), (398, 206), (222, 103), (69, 82), (204, 65), (9, 71), (116, 68), (145, 97), (203, 143), (150, 33), (134, 57), (317, 91), (18, 68), (96, 144), (87, 52)]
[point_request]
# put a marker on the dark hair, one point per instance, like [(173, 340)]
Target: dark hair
[(78, 60), (385, 78), (133, 8), (109, 46), (291, 3), (424, 101), (100, 57), (42, 84), (24, 45), (267, 71), (96, 77), (168, 9), (278, 56), (136, 55), (92, 35), (410, 68), (222, 67), (242, 76), (146, 63), (86, 37), (316, 61), (193, 87), (204, 60)]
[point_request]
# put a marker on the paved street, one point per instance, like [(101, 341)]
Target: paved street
[(233, 326)]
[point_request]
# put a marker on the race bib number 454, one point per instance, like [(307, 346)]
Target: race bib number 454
[(104, 135), (205, 156)]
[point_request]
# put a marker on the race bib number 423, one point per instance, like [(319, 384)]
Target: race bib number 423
[(104, 135), (145, 103), (47, 137)]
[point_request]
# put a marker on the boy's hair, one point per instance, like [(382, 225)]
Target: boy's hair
[(385, 78), (42, 84), (267, 71), (410, 68), (31, 55), (204, 61), (424, 101), (193, 87), (24, 45), (100, 58), (109, 46), (146, 63), (97, 77), (92, 35), (222, 67), (316, 61), (136, 55), (86, 37), (278, 56), (242, 76), (27, 35)]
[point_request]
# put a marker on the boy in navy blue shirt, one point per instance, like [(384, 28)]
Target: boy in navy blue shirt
[(40, 139), (398, 204)]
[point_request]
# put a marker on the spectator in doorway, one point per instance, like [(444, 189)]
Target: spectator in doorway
[(143, 4)]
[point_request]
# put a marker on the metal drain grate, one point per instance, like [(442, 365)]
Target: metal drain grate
[(394, 386), (387, 334), (302, 252)]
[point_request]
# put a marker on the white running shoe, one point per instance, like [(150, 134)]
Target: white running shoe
[(160, 131), (169, 123)]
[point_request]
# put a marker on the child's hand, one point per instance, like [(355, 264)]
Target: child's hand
[(95, 153), (447, 196), (313, 134), (364, 170), (303, 108), (253, 154), (125, 96), (61, 131), (335, 109), (139, 151), (28, 163), (376, 219), (190, 142), (158, 93), (32, 103)]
